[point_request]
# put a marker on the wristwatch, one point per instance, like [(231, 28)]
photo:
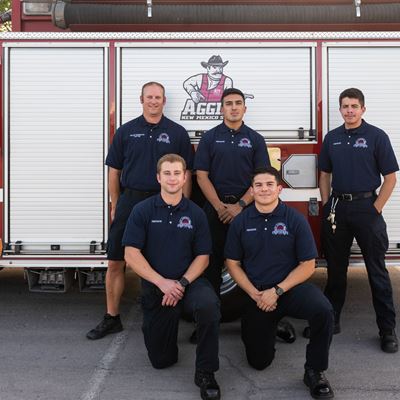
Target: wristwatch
[(242, 203), (278, 290), (183, 282)]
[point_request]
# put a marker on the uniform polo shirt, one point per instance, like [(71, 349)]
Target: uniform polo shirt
[(270, 246), (170, 237), (357, 158), (138, 145), (230, 157)]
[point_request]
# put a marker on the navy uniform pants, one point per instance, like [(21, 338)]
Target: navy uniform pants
[(160, 324), (358, 219), (219, 232), (304, 301)]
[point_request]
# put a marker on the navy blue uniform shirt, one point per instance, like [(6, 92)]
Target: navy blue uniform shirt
[(357, 158), (170, 237), (270, 246), (138, 145), (230, 157)]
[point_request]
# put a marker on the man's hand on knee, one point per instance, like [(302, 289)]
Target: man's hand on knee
[(173, 289), (169, 301), (268, 300)]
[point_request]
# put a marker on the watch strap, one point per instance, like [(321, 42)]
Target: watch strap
[(183, 282), (242, 203)]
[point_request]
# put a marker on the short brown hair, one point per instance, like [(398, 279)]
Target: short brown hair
[(170, 158), (151, 84)]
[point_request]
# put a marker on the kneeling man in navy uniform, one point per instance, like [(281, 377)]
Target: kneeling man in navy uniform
[(167, 243), (270, 252)]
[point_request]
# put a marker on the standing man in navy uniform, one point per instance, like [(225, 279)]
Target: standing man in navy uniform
[(225, 160), (270, 252), (168, 244), (352, 160), (132, 160)]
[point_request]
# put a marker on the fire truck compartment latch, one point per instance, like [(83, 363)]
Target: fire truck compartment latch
[(313, 207)]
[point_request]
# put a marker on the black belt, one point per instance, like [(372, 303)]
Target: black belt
[(263, 287), (353, 196), (230, 198), (143, 193)]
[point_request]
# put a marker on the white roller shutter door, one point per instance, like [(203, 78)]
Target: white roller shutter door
[(373, 68), (279, 79), (55, 192)]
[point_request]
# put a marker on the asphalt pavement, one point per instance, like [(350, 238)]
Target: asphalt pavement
[(45, 355)]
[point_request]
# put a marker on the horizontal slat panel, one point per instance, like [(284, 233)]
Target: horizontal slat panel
[(56, 145), (278, 78)]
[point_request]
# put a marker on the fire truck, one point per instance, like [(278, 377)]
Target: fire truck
[(72, 72)]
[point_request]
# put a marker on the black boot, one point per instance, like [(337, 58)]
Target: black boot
[(109, 324), (389, 342), (318, 384), (209, 388), (285, 331)]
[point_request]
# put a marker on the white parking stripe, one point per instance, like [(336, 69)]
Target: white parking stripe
[(106, 363)]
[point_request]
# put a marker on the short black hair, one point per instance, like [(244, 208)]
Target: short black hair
[(229, 91), (352, 93), (267, 170)]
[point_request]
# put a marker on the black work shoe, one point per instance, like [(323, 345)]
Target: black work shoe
[(389, 342), (286, 332), (209, 389), (108, 325), (307, 330), (193, 337), (318, 384)]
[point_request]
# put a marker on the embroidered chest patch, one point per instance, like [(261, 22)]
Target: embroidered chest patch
[(280, 229), (360, 142), (244, 142), (185, 222), (163, 137)]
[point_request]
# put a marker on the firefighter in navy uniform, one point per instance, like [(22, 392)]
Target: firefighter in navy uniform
[(168, 244), (270, 252), (352, 160), (132, 160), (225, 160)]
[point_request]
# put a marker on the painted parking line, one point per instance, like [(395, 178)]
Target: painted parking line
[(106, 364)]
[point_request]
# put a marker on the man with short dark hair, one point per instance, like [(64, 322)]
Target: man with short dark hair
[(270, 252), (353, 158), (225, 160), (132, 159), (167, 243)]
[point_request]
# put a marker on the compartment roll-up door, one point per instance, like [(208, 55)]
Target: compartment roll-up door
[(373, 68), (55, 190), (277, 79)]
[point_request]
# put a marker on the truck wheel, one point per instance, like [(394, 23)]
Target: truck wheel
[(232, 298)]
